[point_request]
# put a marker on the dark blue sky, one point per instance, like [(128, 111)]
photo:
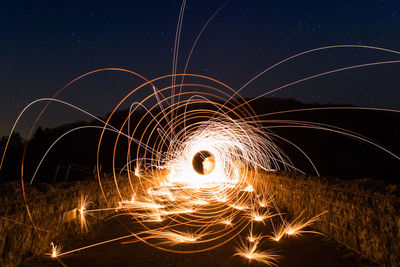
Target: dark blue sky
[(45, 44)]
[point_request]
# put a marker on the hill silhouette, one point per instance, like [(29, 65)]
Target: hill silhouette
[(333, 154)]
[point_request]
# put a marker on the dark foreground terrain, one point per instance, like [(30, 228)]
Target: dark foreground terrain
[(306, 250)]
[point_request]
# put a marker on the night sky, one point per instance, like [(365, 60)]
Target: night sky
[(45, 44)]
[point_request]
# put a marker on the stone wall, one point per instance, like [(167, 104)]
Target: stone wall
[(19, 241), (363, 215)]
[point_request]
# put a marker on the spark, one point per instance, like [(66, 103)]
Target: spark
[(55, 250), (254, 238), (258, 217), (298, 224), (264, 202), (84, 204), (278, 234), (295, 227), (250, 252)]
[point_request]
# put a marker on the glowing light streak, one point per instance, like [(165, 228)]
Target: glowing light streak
[(176, 238)]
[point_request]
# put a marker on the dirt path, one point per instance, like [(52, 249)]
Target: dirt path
[(306, 250)]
